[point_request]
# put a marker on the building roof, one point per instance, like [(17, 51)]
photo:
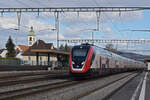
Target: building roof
[(23, 47), (147, 59), (40, 45), (43, 48), (31, 32), (50, 51)]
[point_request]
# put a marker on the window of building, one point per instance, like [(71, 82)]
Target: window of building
[(30, 43), (40, 58), (30, 39)]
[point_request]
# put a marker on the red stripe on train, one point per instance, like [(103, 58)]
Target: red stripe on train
[(88, 60), (70, 61)]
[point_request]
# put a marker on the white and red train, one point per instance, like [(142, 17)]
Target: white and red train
[(89, 59)]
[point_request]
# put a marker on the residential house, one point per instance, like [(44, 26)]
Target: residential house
[(3, 52), (20, 49)]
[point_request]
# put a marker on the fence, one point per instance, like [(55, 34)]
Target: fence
[(9, 62)]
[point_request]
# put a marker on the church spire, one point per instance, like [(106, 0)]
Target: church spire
[(31, 37), (31, 32)]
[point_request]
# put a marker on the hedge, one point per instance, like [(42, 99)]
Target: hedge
[(9, 58)]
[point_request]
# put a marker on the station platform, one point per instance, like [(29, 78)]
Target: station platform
[(137, 89)]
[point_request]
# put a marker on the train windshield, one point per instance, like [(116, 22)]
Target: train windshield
[(79, 52)]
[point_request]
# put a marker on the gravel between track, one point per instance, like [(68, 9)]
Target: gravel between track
[(70, 92), (26, 85)]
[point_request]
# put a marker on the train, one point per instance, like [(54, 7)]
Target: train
[(89, 59)]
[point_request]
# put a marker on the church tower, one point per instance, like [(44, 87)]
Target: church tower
[(31, 37)]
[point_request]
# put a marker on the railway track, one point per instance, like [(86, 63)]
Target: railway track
[(78, 91), (30, 79), (11, 95), (5, 95), (87, 94), (17, 74), (17, 93)]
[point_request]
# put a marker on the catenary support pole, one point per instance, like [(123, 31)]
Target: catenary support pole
[(57, 27), (19, 19)]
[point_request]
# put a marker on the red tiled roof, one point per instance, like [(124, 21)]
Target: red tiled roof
[(23, 47)]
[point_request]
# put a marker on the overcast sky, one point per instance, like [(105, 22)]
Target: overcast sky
[(112, 24), (71, 3)]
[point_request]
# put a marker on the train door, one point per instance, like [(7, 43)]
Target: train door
[(100, 65), (103, 64), (107, 64), (148, 67)]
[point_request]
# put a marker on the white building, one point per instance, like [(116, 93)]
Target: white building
[(3, 52), (22, 48)]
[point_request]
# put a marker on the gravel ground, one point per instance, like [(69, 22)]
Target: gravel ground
[(69, 93)]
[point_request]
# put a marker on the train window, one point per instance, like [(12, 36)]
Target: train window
[(104, 67), (79, 52)]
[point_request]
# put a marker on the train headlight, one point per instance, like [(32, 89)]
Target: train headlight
[(83, 63), (73, 62)]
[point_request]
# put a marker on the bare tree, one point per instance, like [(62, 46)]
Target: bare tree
[(109, 46)]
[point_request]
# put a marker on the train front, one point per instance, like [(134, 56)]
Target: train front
[(80, 59)]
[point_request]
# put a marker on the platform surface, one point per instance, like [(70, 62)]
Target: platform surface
[(137, 89)]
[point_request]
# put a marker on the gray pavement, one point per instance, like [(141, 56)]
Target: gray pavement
[(147, 94), (136, 89)]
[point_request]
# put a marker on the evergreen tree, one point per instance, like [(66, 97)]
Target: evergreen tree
[(67, 47), (10, 46), (61, 47), (109, 47)]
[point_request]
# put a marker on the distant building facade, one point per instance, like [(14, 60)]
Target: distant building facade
[(39, 53), (31, 39), (30, 57)]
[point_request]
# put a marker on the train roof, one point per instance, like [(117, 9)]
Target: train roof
[(109, 53)]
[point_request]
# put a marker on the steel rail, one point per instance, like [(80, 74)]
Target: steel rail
[(27, 79)]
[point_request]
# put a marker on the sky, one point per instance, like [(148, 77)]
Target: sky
[(73, 26), (70, 3)]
